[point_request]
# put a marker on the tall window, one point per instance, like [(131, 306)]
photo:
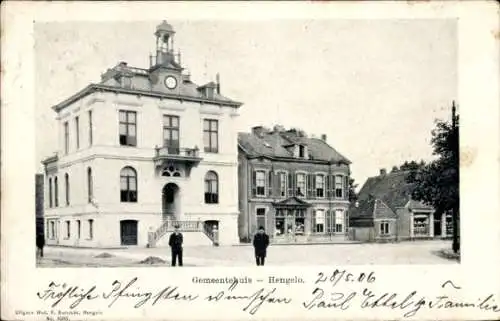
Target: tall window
[(339, 186), (90, 129), (68, 229), (320, 221), (66, 138), (211, 135), (90, 185), (320, 185), (339, 221), (384, 228), (282, 177), (171, 133), (52, 234), (77, 131), (56, 192), (66, 187), (211, 188), (128, 185), (78, 229), (301, 184), (260, 183), (50, 193), (261, 217), (91, 229), (128, 128)]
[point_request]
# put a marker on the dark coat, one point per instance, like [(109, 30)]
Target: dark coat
[(260, 244), (40, 241), (175, 241)]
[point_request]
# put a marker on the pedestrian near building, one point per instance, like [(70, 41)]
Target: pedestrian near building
[(40, 243), (260, 244), (175, 243)]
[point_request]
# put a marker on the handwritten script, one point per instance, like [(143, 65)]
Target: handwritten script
[(325, 292)]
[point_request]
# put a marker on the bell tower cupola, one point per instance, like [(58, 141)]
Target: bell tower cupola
[(164, 44)]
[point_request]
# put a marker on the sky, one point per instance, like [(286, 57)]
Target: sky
[(374, 87)]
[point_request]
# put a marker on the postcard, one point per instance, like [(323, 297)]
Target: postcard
[(236, 160)]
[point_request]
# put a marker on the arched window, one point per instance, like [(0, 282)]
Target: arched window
[(66, 187), (56, 192), (211, 188), (128, 185), (50, 193), (90, 185)]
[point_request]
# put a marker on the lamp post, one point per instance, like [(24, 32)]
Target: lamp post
[(456, 208)]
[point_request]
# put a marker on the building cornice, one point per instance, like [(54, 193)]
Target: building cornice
[(105, 88)]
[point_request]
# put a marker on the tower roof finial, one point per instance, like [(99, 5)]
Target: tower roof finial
[(164, 27)]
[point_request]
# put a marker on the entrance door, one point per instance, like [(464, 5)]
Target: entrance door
[(437, 227), (128, 232), (169, 201)]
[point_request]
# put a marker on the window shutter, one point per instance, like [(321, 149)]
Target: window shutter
[(346, 187), (270, 183), (277, 184), (294, 184), (313, 185), (334, 222), (330, 183), (254, 183), (308, 185), (290, 184)]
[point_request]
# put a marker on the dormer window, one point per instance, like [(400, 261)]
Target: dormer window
[(126, 82), (302, 151), (209, 93)]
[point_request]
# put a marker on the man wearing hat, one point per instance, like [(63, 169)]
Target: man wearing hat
[(175, 243), (260, 244)]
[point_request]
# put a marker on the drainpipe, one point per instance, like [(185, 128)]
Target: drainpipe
[(330, 198), (249, 192)]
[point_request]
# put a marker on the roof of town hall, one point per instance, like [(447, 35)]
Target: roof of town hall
[(385, 193), (273, 144), (142, 78)]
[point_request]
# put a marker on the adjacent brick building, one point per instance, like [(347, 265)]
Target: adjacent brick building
[(295, 186), (385, 212)]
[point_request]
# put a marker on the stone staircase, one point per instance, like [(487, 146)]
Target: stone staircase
[(188, 228)]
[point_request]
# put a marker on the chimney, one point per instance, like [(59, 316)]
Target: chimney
[(122, 64), (217, 80), (383, 171), (186, 78), (323, 137), (258, 131)]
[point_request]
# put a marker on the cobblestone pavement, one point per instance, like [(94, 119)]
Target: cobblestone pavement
[(418, 252)]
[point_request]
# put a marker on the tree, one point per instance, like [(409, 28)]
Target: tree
[(353, 196), (437, 183), (412, 166)]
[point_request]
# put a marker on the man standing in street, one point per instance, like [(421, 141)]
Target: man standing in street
[(260, 244), (175, 243)]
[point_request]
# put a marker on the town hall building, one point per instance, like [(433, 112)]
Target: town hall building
[(140, 152)]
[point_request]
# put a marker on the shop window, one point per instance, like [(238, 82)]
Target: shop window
[(384, 228), (279, 228), (421, 226)]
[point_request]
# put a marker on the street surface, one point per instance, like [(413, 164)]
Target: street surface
[(418, 252)]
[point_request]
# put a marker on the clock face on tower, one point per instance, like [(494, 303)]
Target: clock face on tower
[(170, 82)]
